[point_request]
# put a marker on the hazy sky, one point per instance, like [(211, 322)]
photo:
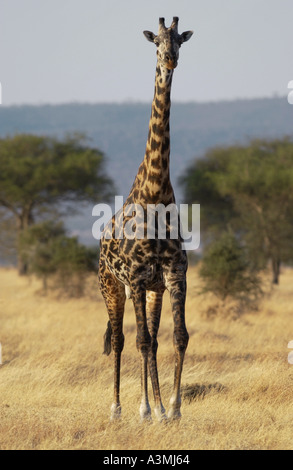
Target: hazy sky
[(59, 51)]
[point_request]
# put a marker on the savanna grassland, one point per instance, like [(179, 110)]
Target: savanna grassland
[(56, 386)]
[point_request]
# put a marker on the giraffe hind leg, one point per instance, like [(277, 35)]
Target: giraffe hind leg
[(107, 340), (114, 295)]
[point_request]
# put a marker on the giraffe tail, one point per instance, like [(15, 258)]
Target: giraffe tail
[(107, 340)]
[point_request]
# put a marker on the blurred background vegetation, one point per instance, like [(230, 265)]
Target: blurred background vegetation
[(248, 190), (40, 178)]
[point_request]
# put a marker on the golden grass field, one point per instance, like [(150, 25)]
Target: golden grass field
[(56, 386)]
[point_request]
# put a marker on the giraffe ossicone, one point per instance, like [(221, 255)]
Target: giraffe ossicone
[(143, 268)]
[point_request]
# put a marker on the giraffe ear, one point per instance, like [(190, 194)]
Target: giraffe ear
[(186, 36), (150, 36)]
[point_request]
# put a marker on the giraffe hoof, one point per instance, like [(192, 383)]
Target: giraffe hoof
[(145, 413), (115, 412), (174, 414), (174, 410), (160, 414)]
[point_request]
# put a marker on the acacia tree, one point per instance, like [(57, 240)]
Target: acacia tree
[(253, 185), (37, 173)]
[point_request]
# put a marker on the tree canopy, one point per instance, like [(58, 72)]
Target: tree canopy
[(37, 173), (248, 188)]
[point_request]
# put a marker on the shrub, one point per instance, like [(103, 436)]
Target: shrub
[(226, 271), (50, 254)]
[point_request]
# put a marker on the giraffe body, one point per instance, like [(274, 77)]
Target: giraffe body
[(142, 268)]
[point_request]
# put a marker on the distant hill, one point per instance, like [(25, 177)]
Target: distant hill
[(120, 131)]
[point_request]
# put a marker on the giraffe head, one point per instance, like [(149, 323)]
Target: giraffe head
[(168, 42)]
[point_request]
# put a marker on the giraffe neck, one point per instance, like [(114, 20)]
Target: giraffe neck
[(153, 184)]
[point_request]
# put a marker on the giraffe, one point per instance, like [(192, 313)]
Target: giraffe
[(142, 268)]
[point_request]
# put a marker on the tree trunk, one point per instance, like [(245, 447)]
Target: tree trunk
[(22, 266), (23, 222), (45, 284), (276, 264)]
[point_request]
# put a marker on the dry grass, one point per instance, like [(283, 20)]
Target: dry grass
[(56, 386)]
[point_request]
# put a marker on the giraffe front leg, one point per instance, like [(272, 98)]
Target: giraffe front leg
[(143, 342), (159, 409), (144, 409), (117, 340), (175, 401), (154, 307), (180, 340)]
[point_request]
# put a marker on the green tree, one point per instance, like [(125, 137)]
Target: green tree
[(38, 173), (201, 186), (7, 237), (250, 189), (37, 248)]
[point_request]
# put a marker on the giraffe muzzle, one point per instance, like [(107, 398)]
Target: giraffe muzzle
[(170, 62)]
